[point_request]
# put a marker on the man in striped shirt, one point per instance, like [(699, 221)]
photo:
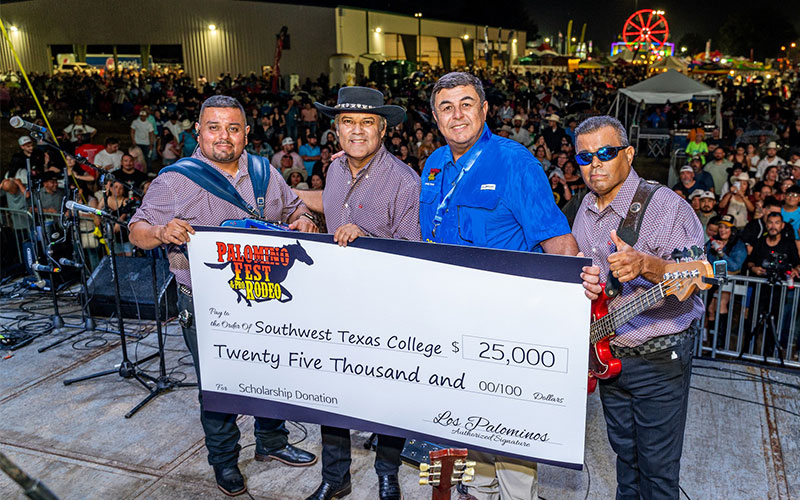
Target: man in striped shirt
[(645, 406), (369, 192), (173, 204)]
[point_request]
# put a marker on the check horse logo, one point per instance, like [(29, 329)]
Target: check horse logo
[(256, 281)]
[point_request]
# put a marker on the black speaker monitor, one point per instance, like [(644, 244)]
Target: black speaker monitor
[(135, 288)]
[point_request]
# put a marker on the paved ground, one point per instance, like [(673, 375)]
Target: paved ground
[(76, 440)]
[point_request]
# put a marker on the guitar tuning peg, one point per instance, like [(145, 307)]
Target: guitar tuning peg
[(424, 466), (466, 478), (469, 471), (423, 482), (470, 463), (424, 474)]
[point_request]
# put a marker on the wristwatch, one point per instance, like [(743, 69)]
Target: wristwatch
[(311, 217)]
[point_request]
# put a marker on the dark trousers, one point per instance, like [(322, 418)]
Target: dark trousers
[(222, 433), (645, 411), (336, 454)]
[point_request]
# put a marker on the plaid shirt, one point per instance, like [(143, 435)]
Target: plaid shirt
[(669, 223), (382, 199), (173, 196)]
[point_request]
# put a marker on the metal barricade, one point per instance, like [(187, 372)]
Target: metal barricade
[(736, 334)]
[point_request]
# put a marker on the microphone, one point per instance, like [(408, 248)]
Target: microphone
[(17, 122), (41, 268), (68, 263), (71, 205)]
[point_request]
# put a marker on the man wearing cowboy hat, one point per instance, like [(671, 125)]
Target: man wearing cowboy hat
[(287, 148), (553, 133), (368, 192), (187, 138), (519, 133), (771, 159)]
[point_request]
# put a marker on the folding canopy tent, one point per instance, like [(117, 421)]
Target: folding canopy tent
[(669, 86)]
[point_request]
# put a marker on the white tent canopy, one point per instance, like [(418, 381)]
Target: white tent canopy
[(669, 86)]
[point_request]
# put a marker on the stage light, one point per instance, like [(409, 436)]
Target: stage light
[(573, 39), (378, 29), (13, 29), (684, 49), (418, 14), (212, 27), (793, 45), (783, 47), (546, 40), (514, 41), (466, 37)]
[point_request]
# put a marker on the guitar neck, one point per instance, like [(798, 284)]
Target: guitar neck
[(609, 323)]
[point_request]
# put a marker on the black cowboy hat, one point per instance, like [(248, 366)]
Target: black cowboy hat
[(363, 100)]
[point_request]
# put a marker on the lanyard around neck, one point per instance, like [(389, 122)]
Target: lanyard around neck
[(440, 210)]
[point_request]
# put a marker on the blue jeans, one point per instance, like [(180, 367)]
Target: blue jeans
[(222, 433), (336, 455), (645, 412)]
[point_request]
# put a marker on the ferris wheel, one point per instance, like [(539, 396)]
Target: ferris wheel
[(645, 30)]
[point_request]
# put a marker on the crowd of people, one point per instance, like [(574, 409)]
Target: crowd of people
[(730, 174), (744, 198)]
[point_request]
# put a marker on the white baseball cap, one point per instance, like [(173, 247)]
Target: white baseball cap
[(24, 140)]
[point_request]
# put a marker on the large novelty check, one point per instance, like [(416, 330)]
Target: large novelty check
[(481, 348)]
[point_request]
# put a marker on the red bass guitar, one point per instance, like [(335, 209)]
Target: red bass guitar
[(680, 280)]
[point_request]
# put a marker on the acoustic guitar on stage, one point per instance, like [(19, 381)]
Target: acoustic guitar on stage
[(680, 280), (446, 469)]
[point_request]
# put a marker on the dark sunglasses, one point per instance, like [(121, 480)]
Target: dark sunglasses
[(603, 154)]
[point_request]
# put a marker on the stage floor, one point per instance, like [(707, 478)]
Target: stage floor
[(76, 440)]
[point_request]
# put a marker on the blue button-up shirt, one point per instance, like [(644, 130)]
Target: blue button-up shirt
[(504, 201)]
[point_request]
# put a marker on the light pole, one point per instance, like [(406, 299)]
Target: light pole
[(418, 15)]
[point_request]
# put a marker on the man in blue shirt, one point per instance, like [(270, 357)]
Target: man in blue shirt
[(487, 191), (310, 152)]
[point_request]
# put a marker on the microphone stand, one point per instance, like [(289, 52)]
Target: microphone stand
[(44, 239), (78, 256), (127, 368), (163, 383)]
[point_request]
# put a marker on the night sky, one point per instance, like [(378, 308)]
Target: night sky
[(605, 18)]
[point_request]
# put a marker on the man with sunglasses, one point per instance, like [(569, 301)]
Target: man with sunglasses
[(645, 406)]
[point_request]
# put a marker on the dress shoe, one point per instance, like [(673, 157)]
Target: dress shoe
[(230, 480), (327, 491), (389, 487), (289, 455)]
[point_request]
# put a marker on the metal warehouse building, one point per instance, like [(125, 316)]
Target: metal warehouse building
[(237, 36)]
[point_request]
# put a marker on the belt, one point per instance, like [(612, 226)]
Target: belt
[(653, 345), (185, 290)]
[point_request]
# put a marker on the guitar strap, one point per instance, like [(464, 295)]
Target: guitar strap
[(628, 229), (208, 178)]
